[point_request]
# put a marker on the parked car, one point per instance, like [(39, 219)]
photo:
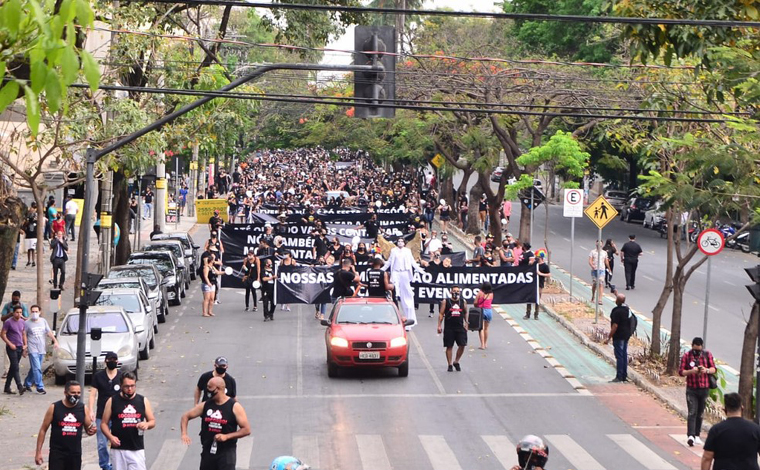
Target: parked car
[(134, 283), (152, 277), (654, 217), (496, 176), (366, 332), (166, 263), (143, 317), (616, 198), (635, 208), (175, 246), (191, 249), (118, 336)]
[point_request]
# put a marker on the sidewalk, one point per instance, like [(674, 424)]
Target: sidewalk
[(20, 417)]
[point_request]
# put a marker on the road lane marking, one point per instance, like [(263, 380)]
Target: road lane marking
[(244, 452), (573, 452), (714, 308), (439, 453), (566, 239), (647, 277), (372, 452), (306, 447), (502, 449), (583, 248), (299, 356), (639, 451), (406, 395), (425, 361), (681, 439), (170, 456), (729, 283)]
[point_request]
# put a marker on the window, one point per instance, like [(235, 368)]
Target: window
[(146, 273), (129, 302), (368, 313), (109, 322)]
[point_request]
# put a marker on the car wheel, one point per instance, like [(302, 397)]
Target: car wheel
[(162, 316), (152, 343), (645, 224), (403, 369), (187, 284), (60, 379), (178, 297), (193, 275), (628, 217), (182, 292), (155, 327), (332, 369), (145, 353)]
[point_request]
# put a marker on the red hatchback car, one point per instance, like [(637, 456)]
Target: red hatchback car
[(366, 332)]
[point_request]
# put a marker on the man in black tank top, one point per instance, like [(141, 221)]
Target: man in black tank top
[(377, 280), (67, 417), (223, 422), (129, 415)]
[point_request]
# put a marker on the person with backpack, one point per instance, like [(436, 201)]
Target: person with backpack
[(623, 326)]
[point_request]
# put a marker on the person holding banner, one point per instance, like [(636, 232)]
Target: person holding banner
[(400, 264)]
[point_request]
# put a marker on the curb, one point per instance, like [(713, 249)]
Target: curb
[(637, 378)]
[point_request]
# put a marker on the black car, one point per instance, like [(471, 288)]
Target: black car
[(191, 249), (635, 209), (166, 263)]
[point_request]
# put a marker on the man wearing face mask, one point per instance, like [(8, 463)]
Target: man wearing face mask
[(36, 329), (126, 417), (105, 384), (224, 422), (696, 365), (67, 417), (220, 371), (455, 317), (400, 264)]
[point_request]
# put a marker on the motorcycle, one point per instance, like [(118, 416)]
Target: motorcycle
[(741, 242)]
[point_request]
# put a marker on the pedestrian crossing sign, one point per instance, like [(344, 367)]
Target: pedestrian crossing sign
[(600, 212), (437, 160)]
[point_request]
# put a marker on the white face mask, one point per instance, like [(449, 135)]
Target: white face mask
[(35, 315)]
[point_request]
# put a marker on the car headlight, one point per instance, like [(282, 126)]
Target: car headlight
[(396, 342), (63, 354), (170, 280), (339, 342), (139, 329), (124, 351), (153, 295)]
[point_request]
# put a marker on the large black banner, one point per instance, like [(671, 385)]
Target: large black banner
[(511, 285)]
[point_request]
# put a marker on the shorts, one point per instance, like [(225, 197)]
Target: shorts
[(445, 218), (451, 336), (30, 243), (128, 459), (58, 460), (207, 288), (220, 461), (488, 314), (597, 274)]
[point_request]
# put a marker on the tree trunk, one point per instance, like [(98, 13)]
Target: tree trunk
[(546, 230), (121, 217), (667, 289), (473, 216), (524, 222), (494, 218), (463, 184), (40, 252), (674, 351), (12, 211), (447, 192), (747, 368)]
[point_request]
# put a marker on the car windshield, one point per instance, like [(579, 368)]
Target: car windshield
[(174, 248), (125, 284), (164, 265), (368, 313), (148, 275), (110, 322), (129, 302), (616, 195)]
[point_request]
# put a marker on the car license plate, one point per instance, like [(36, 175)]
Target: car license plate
[(369, 355)]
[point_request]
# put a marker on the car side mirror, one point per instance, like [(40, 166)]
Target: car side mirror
[(325, 322), (148, 308), (195, 247), (408, 322)]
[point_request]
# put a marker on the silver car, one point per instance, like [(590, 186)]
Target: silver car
[(152, 277), (616, 198), (118, 336), (134, 283), (143, 317)]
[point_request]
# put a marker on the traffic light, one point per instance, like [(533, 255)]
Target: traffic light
[(754, 289), (375, 45)]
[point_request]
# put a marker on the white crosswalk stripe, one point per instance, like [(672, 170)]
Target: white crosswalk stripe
[(502, 449), (372, 452), (91, 466), (639, 451), (573, 452), (306, 448), (170, 456), (244, 452), (439, 453)]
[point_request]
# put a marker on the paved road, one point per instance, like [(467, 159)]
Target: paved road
[(730, 303), (374, 420)]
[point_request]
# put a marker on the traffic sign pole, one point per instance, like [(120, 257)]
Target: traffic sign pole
[(710, 242), (599, 289), (573, 207), (572, 244), (707, 302)]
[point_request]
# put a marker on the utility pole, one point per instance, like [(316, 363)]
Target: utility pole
[(159, 210), (106, 222), (193, 178)]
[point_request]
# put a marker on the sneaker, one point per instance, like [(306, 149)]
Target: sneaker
[(697, 441), (21, 391), (527, 316), (266, 318), (27, 388), (451, 368), (430, 315), (41, 391), (535, 317), (11, 392), (457, 367), (254, 309), (287, 308), (216, 302), (246, 309), (690, 441), (616, 381)]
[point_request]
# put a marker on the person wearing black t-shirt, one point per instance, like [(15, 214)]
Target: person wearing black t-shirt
[(378, 282), (733, 444), (220, 370), (629, 255), (620, 333), (345, 281), (105, 384), (268, 278), (68, 417)]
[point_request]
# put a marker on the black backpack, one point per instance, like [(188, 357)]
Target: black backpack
[(633, 322)]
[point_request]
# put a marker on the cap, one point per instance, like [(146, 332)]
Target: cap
[(489, 236), (111, 355), (221, 361), (216, 211), (509, 235)]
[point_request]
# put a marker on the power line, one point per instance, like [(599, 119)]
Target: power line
[(471, 14), (319, 100)]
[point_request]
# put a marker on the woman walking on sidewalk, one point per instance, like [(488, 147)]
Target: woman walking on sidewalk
[(484, 301), (611, 250)]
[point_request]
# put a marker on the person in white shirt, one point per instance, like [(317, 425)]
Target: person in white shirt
[(435, 243), (400, 264), (71, 208), (598, 262)]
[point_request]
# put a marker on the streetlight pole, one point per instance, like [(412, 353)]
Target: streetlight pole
[(93, 155)]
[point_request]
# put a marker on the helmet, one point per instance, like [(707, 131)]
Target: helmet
[(532, 452), (286, 462)]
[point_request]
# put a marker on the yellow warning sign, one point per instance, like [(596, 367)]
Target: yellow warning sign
[(437, 160), (193, 165), (600, 212)]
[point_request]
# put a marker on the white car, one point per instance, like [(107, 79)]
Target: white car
[(654, 216), (142, 315), (118, 336)]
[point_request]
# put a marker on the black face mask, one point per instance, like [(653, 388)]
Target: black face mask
[(128, 396), (210, 393), (696, 352), (221, 370), (455, 296), (112, 365), (72, 399)]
